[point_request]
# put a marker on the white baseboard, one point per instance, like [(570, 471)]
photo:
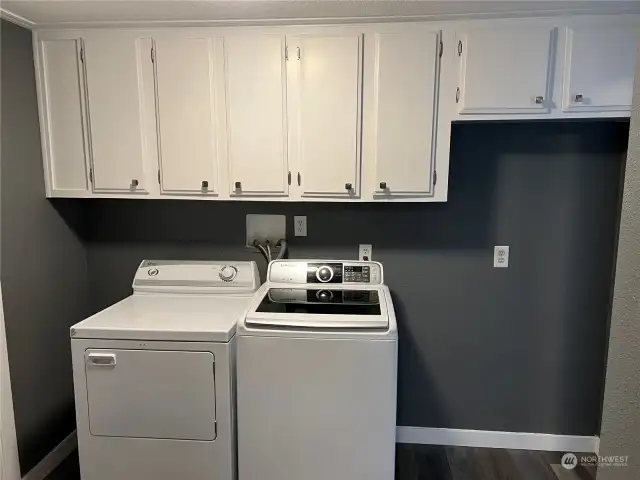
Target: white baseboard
[(54, 458), (496, 439)]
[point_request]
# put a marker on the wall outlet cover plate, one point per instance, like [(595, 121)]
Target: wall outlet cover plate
[(501, 256), (365, 252), (300, 225)]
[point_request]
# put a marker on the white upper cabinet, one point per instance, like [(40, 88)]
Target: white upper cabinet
[(600, 61), (328, 112), (256, 114), (405, 87), (505, 69), (309, 112), (62, 114), (186, 106), (116, 111)]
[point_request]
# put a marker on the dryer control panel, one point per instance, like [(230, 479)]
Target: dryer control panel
[(196, 277), (325, 271)]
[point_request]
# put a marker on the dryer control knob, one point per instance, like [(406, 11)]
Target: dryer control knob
[(228, 273)]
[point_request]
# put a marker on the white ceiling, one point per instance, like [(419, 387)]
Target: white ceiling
[(51, 13)]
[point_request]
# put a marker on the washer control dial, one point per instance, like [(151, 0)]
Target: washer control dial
[(324, 273), (228, 273)]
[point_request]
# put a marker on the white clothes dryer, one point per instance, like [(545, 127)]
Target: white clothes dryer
[(154, 374)]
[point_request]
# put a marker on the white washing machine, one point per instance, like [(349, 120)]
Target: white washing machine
[(153, 374), (317, 374)]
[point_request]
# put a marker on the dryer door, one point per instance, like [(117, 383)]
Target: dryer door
[(151, 394)]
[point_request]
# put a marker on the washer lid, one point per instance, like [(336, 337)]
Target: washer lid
[(166, 317), (319, 308)]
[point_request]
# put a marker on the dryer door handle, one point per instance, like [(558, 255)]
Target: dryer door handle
[(102, 359)]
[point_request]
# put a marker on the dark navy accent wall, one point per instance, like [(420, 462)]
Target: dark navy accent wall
[(44, 269), (517, 349)]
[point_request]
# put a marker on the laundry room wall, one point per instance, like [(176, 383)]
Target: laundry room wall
[(43, 271), (517, 349), (621, 415)]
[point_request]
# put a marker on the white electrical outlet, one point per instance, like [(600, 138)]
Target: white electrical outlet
[(300, 225), (365, 252), (500, 256)]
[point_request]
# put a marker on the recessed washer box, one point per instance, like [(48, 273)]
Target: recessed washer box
[(266, 227)]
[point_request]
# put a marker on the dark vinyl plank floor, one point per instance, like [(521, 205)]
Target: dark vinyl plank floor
[(432, 462)]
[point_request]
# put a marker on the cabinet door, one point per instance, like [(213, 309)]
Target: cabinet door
[(600, 66), (505, 69), (405, 89), (62, 115), (116, 112), (186, 106), (257, 115), (329, 102)]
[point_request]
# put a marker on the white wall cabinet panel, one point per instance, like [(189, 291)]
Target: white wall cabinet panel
[(600, 66), (329, 102), (505, 69), (62, 110), (405, 96), (186, 106), (257, 114), (114, 96)]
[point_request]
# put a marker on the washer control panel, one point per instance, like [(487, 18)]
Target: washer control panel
[(327, 271), (357, 273), (324, 272)]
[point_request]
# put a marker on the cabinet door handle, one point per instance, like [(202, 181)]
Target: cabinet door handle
[(134, 183), (205, 184), (578, 98), (299, 179), (289, 178), (348, 186), (539, 99), (238, 185), (383, 185)]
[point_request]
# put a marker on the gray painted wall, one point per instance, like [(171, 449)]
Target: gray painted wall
[(518, 349), (44, 270), (621, 408)]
